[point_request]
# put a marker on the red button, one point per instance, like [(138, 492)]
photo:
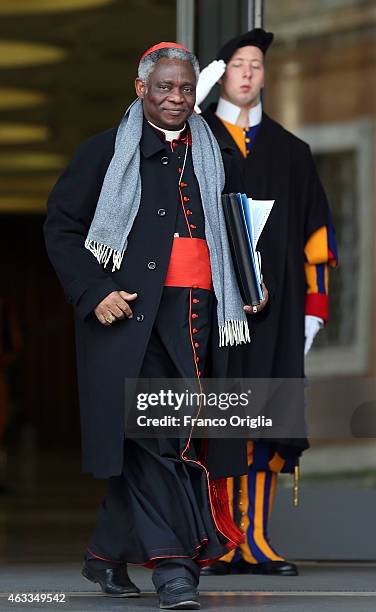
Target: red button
[(195, 316), (197, 359), (182, 184), (179, 170), (189, 212), (200, 373), (196, 345), (186, 199), (193, 226), (194, 330), (195, 301)]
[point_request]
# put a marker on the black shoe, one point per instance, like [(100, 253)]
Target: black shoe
[(113, 581), (178, 594), (269, 568), (218, 568)]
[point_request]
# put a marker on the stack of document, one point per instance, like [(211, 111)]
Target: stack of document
[(245, 220)]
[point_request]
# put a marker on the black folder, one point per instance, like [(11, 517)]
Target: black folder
[(240, 250)]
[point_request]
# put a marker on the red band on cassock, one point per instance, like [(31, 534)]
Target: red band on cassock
[(189, 264)]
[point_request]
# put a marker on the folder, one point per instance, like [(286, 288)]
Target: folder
[(245, 219)]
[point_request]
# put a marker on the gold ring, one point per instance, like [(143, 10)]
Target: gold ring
[(110, 318)]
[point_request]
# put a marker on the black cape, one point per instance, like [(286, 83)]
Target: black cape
[(280, 166)]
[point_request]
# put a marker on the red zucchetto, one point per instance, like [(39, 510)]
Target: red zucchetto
[(164, 45)]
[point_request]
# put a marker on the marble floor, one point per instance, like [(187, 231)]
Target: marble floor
[(331, 588), (46, 517)]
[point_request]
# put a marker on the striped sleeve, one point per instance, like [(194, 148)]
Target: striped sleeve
[(320, 253)]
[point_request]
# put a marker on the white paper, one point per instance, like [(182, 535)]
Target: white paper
[(259, 213)]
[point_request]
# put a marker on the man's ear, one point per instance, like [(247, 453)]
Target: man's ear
[(140, 88)]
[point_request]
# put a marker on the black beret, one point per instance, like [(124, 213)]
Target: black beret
[(256, 38)]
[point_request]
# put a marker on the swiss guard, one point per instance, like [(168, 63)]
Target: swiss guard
[(136, 233), (297, 246)]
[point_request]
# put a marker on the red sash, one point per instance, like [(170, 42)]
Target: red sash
[(189, 264)]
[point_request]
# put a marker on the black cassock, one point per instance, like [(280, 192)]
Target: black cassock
[(160, 505)]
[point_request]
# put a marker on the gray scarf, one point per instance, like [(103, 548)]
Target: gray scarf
[(119, 202)]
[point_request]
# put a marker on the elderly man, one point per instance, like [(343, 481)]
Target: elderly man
[(297, 245), (136, 233)]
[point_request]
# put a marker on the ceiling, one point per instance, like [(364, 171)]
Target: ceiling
[(67, 69)]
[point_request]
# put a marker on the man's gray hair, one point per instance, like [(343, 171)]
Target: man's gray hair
[(148, 63)]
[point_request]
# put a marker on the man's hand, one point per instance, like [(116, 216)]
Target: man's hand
[(114, 307), (256, 309)]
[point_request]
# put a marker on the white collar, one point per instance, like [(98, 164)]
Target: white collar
[(230, 112), (170, 135)]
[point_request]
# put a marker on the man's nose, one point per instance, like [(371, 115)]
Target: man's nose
[(176, 96), (248, 72)]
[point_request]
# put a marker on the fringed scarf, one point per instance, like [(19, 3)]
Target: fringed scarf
[(120, 199)]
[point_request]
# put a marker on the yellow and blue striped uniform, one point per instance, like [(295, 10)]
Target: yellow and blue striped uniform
[(251, 500)]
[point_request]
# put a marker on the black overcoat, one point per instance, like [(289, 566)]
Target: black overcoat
[(108, 355), (279, 167)]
